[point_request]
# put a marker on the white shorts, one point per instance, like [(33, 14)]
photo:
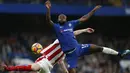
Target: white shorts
[(45, 66)]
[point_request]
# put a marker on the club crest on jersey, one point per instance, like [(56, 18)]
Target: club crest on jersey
[(70, 24), (61, 26), (68, 66)]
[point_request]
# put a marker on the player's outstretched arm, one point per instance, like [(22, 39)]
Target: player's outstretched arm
[(87, 16), (88, 30), (32, 67), (48, 14)]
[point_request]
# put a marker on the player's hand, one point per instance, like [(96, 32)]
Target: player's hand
[(97, 7), (89, 30), (48, 4), (2, 68)]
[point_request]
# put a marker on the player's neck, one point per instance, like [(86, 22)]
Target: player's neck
[(61, 24)]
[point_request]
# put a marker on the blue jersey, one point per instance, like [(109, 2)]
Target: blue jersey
[(65, 35)]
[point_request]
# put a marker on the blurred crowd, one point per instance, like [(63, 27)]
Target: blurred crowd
[(75, 2), (91, 2), (15, 50)]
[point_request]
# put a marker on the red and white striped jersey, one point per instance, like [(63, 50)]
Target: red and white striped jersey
[(53, 53)]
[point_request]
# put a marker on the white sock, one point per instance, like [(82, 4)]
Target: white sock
[(109, 51)]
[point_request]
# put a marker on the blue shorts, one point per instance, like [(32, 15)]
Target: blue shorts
[(80, 50)]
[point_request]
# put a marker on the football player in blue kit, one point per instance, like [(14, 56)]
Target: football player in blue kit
[(68, 42)]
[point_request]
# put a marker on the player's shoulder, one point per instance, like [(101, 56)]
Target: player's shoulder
[(72, 21), (56, 24), (56, 41)]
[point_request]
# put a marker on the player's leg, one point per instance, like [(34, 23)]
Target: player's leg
[(45, 66), (72, 59), (32, 67), (91, 48), (106, 50), (95, 48)]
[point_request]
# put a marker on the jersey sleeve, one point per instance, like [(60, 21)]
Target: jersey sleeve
[(56, 27), (74, 22), (56, 41)]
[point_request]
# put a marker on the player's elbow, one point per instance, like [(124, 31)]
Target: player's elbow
[(35, 67), (83, 19)]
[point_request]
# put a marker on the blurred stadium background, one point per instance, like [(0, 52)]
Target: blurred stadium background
[(23, 23)]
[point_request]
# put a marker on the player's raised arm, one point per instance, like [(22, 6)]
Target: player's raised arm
[(48, 15), (88, 30), (87, 16)]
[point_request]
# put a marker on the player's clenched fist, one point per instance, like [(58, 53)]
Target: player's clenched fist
[(2, 68), (48, 4), (89, 30), (97, 7)]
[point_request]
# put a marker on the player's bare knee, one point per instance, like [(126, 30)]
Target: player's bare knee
[(73, 70), (35, 67)]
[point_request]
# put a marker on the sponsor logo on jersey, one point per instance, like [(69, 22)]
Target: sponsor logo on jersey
[(65, 30)]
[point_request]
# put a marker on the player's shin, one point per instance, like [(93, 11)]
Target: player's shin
[(110, 51), (106, 50)]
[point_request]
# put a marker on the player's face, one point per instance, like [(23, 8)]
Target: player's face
[(62, 18)]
